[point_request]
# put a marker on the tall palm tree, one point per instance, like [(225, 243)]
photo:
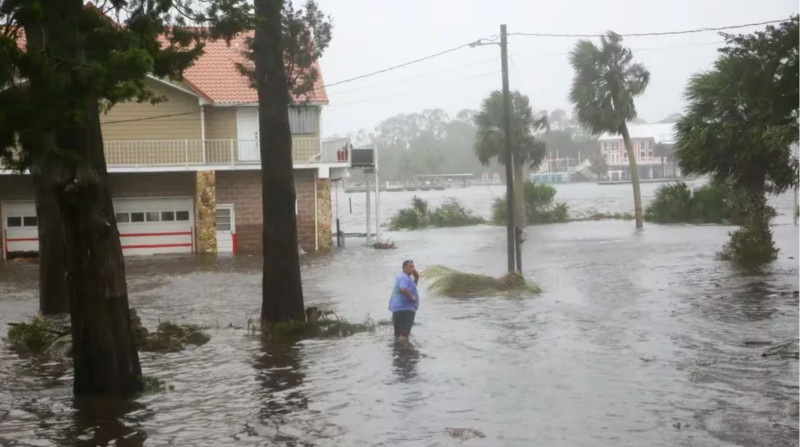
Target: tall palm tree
[(605, 83), (527, 150)]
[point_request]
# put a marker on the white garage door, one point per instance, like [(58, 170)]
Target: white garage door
[(20, 231), (153, 226), (146, 226)]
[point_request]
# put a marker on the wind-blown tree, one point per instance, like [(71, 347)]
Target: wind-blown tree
[(526, 149), (741, 119), (62, 62), (598, 165), (284, 50), (605, 84)]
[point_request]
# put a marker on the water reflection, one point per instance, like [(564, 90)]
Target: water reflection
[(405, 358), (104, 422), (278, 372)]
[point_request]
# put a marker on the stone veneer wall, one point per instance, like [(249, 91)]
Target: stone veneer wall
[(205, 207), (324, 214)]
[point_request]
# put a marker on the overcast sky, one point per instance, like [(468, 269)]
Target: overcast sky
[(371, 35)]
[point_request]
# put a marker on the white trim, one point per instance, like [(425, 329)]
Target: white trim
[(255, 104), (203, 124), (316, 216), (175, 86), (195, 168)]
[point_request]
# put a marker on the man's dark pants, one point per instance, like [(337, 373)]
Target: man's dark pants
[(403, 320)]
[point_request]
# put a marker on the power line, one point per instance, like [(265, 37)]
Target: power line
[(664, 33), (415, 61)]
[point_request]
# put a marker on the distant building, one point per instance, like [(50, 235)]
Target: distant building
[(644, 138)]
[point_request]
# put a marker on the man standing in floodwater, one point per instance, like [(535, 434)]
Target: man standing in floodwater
[(405, 301)]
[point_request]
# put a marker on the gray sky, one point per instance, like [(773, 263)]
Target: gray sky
[(371, 35)]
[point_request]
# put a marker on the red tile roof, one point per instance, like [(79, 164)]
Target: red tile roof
[(215, 76)]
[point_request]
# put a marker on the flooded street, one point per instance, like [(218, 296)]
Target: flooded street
[(637, 340)]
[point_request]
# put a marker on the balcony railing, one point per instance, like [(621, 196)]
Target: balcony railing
[(160, 153)]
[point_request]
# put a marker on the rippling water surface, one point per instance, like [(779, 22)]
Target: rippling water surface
[(638, 340)]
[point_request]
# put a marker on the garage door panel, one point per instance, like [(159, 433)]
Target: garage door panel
[(19, 226), (153, 226)]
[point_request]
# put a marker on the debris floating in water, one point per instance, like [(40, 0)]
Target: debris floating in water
[(450, 282)]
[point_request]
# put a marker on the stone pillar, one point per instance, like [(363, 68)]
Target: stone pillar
[(324, 214), (206, 209)]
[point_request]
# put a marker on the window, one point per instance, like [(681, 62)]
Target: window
[(137, 217), (303, 120), (152, 216), (223, 219), (123, 217), (182, 216), (167, 216), (30, 221), (14, 222)]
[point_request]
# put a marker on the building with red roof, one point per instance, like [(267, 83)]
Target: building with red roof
[(185, 173)]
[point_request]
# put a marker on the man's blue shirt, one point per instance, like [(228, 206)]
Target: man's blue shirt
[(399, 301)]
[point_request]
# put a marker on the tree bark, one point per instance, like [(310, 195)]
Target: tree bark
[(282, 288), (637, 194), (520, 211), (106, 362), (53, 297)]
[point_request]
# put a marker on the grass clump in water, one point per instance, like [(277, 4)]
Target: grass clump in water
[(540, 206), (172, 337), (419, 215), (35, 336), (154, 385), (325, 325), (450, 282)]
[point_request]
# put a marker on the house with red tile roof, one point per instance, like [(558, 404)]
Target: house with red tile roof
[(185, 173)]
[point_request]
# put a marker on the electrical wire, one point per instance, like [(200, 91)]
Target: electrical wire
[(664, 33), (406, 64)]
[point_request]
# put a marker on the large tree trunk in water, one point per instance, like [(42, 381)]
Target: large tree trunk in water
[(520, 211), (637, 194), (282, 291), (53, 297), (106, 362)]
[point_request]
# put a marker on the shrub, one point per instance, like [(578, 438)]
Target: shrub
[(751, 245), (34, 337), (539, 206), (451, 214), (716, 202)]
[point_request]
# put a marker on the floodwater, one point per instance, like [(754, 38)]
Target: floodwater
[(638, 340)]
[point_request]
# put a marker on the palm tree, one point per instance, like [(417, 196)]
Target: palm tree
[(527, 150), (605, 83)]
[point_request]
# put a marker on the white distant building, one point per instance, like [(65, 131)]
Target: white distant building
[(644, 138)]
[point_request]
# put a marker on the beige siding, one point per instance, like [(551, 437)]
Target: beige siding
[(220, 123), (144, 121)]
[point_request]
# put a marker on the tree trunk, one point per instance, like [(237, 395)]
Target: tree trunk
[(520, 211), (282, 286), (106, 362), (53, 297), (637, 194)]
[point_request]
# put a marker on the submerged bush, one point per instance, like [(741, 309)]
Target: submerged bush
[(450, 282), (712, 203), (750, 246), (34, 336), (450, 214), (540, 206), (154, 385), (320, 324)]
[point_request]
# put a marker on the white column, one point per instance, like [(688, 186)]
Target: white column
[(377, 201), (369, 230)]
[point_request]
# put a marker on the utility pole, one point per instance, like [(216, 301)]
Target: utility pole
[(514, 255), (513, 241)]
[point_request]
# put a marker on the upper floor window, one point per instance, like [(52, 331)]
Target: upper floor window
[(304, 120)]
